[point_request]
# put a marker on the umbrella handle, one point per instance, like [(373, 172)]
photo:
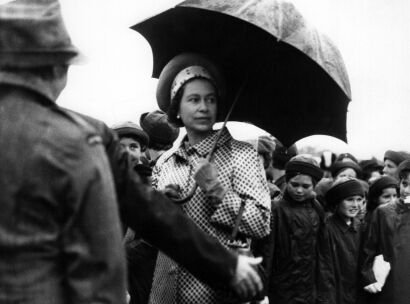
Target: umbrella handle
[(191, 193), (238, 219)]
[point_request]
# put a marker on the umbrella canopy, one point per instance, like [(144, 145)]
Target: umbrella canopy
[(293, 79)]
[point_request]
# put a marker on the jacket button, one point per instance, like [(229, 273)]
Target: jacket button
[(173, 270)]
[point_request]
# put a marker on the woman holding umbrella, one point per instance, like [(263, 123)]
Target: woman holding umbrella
[(191, 90)]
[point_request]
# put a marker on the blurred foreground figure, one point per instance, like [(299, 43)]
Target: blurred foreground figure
[(60, 235)]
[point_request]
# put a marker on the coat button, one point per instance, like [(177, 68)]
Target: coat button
[(172, 270)]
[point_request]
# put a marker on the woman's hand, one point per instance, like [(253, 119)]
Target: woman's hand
[(206, 176)]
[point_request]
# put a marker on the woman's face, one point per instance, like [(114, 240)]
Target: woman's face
[(198, 106), (350, 206), (388, 195), (300, 187), (390, 168), (405, 187), (348, 172)]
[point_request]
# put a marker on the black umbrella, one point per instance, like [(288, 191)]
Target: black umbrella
[(293, 79)]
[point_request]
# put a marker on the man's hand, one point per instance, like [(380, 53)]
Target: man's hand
[(172, 191), (247, 282)]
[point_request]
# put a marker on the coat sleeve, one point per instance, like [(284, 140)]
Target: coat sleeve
[(265, 248), (248, 187), (370, 249), (165, 226), (326, 280), (91, 234), (161, 223)]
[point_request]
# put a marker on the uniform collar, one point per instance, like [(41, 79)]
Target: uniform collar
[(203, 147), (30, 81)]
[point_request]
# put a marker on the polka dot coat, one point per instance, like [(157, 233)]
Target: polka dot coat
[(241, 172)]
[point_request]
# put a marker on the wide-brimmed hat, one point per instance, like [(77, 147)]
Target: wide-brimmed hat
[(179, 63), (159, 130), (130, 129), (33, 34)]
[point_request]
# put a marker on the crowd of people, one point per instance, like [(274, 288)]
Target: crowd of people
[(92, 214)]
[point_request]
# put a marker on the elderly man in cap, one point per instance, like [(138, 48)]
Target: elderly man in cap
[(60, 234)]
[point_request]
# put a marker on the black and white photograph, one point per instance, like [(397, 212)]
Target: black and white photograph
[(204, 151)]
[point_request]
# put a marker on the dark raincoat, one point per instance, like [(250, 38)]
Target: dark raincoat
[(389, 234), (296, 229), (342, 258), (60, 236)]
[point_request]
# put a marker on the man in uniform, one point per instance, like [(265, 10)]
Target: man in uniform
[(60, 237)]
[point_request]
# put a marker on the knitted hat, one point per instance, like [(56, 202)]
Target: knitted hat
[(371, 165), (301, 164), (266, 145), (281, 155), (338, 166), (343, 188), (130, 129), (159, 130), (376, 188), (404, 166), (395, 157), (346, 156), (32, 34)]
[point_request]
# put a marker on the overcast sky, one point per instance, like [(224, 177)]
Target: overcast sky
[(372, 35)]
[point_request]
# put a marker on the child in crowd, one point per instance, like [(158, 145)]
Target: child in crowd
[(297, 221), (382, 191), (341, 255), (346, 168), (389, 235)]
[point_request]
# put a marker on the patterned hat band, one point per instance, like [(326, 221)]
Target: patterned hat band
[(187, 74)]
